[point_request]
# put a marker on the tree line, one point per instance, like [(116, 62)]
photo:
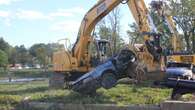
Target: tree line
[(37, 54)]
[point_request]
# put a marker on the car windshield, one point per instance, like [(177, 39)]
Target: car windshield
[(184, 65)]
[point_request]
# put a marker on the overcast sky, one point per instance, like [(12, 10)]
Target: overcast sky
[(46, 21)]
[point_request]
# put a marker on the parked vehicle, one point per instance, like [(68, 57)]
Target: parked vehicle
[(180, 70)]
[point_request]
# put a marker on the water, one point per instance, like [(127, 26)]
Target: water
[(22, 80)]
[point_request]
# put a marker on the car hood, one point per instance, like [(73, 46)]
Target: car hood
[(178, 71)]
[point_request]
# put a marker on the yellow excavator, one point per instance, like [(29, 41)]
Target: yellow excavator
[(177, 55), (70, 65)]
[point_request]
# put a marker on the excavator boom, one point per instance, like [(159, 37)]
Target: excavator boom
[(100, 10)]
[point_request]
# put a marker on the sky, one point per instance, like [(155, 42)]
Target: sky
[(46, 21)]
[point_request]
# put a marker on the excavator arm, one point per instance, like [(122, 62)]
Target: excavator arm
[(163, 11)]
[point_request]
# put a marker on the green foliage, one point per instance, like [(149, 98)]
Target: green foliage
[(12, 56), (21, 55), (9, 99), (4, 53), (42, 53), (105, 32), (184, 14), (4, 46), (162, 28), (42, 56), (109, 29), (37, 54), (33, 49), (49, 48), (3, 59), (134, 34), (115, 39)]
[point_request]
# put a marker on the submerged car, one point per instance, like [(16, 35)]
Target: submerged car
[(105, 75)]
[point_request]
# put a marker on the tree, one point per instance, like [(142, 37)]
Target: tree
[(22, 54), (104, 31), (134, 34), (33, 49), (114, 21), (184, 15), (38, 52), (3, 59), (109, 28), (10, 52), (4, 46), (53, 47), (193, 36), (42, 53), (12, 56), (42, 56), (162, 27)]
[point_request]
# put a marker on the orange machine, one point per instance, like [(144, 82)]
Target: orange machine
[(69, 65)]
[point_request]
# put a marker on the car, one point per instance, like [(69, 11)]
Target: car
[(105, 75), (180, 70)]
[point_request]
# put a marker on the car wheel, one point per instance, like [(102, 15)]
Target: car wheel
[(108, 80)]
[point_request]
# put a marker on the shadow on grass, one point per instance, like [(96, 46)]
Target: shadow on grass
[(24, 91)]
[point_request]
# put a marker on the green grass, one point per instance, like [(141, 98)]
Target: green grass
[(12, 94), (123, 94)]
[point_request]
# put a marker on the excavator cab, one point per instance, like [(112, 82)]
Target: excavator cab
[(100, 50)]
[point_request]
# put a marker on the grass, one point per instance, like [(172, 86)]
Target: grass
[(11, 95), (123, 94)]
